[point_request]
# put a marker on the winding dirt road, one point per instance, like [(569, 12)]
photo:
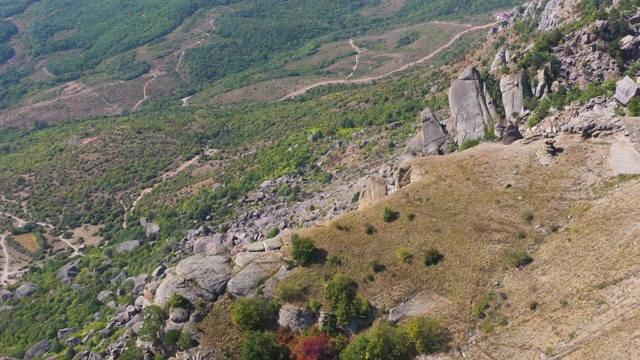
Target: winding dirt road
[(155, 72), (402, 68), (5, 272), (359, 51)]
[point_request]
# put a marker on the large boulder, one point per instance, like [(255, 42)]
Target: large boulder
[(5, 295), (247, 280), (128, 245), (64, 333), (196, 278), (40, 348), (68, 272), (153, 230), (295, 318), (626, 90), (515, 88), (471, 106), (24, 290), (104, 296), (375, 189), (431, 139)]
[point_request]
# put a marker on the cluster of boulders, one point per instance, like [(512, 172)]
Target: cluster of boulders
[(581, 56), (23, 291)]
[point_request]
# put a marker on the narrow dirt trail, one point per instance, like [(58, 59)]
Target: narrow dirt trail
[(163, 178), (155, 74), (402, 68), (5, 270), (359, 51), (91, 91)]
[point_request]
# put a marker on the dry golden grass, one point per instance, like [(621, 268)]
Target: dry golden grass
[(220, 331), (464, 209), (27, 241)]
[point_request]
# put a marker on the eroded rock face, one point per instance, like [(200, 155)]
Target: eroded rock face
[(374, 190), (37, 350), (196, 278), (471, 106), (514, 87), (432, 137), (261, 266)]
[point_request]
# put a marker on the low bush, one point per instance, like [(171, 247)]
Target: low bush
[(520, 258), (469, 144), (304, 250), (389, 215), (404, 255), (369, 229), (250, 313), (290, 291), (263, 346), (432, 257)]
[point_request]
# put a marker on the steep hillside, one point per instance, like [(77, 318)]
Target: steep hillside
[(459, 188)]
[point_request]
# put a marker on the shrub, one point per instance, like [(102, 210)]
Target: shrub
[(383, 342), (469, 144), (355, 198), (249, 314), (178, 301), (532, 305), (369, 229), (404, 255), (273, 232), (304, 250), (376, 266), (410, 216), (290, 291), (389, 215), (427, 335), (341, 227), (527, 216), (315, 305), (432, 257), (520, 259), (151, 323), (186, 341), (333, 261), (172, 336), (522, 235), (341, 290), (263, 346), (315, 347)]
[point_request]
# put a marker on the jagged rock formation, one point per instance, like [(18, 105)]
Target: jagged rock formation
[(68, 272), (374, 190), (432, 138), (472, 109), (515, 88), (555, 13), (502, 58)]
